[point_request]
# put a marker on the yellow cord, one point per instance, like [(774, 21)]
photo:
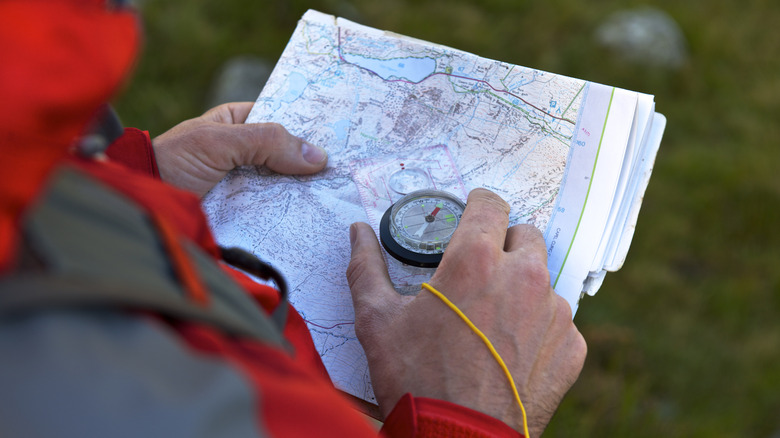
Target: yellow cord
[(489, 345)]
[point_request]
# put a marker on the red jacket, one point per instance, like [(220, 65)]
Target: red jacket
[(58, 75), (315, 400)]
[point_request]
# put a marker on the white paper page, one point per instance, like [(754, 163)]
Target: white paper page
[(600, 184), (593, 282), (623, 194), (629, 197), (642, 180)]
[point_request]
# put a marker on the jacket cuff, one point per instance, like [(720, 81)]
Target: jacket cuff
[(425, 417), (134, 150)]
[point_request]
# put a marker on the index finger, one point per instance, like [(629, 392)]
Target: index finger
[(486, 219), (231, 113)]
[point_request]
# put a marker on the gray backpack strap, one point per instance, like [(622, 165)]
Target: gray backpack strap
[(91, 246), (72, 372), (248, 262), (25, 293)]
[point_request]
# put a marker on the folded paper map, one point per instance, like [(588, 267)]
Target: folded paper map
[(571, 157)]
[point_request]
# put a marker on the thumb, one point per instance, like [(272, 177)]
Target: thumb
[(373, 295), (272, 146)]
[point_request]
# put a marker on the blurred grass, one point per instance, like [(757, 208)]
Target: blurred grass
[(684, 341)]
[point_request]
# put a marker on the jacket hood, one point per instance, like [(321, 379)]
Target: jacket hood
[(62, 60)]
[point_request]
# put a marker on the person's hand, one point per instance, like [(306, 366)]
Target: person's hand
[(197, 153), (498, 277)]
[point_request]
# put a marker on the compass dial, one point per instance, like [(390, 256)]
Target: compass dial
[(417, 229)]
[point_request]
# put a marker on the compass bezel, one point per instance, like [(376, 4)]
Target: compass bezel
[(395, 249)]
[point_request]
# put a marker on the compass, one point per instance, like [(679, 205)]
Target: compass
[(417, 229)]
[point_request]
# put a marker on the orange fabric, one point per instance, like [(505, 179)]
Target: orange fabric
[(185, 270), (60, 61)]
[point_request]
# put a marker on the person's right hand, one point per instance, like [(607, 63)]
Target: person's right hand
[(498, 277)]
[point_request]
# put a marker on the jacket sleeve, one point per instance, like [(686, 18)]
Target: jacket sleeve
[(419, 417), (134, 150), (412, 416)]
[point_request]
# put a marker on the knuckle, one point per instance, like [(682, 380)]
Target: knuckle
[(219, 114), (355, 271), (580, 348), (276, 133), (535, 273), (370, 321), (222, 113), (479, 257), (563, 311), (265, 141), (530, 232), (364, 325), (576, 348), (575, 342)]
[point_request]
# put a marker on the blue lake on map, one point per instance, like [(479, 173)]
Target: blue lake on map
[(340, 128), (412, 69), (296, 83)]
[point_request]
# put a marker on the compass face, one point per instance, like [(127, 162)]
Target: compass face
[(417, 229)]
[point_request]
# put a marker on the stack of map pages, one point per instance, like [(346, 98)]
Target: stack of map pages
[(571, 157)]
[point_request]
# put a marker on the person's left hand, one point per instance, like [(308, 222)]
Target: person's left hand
[(197, 153)]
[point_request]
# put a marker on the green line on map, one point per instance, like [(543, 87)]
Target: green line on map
[(590, 184), (573, 99)]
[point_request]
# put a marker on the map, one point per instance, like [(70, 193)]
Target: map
[(380, 104)]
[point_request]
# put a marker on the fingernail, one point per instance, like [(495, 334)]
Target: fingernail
[(313, 154), (352, 235)]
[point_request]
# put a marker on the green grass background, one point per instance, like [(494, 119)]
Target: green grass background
[(684, 341)]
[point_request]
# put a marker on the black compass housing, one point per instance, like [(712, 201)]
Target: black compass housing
[(400, 253)]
